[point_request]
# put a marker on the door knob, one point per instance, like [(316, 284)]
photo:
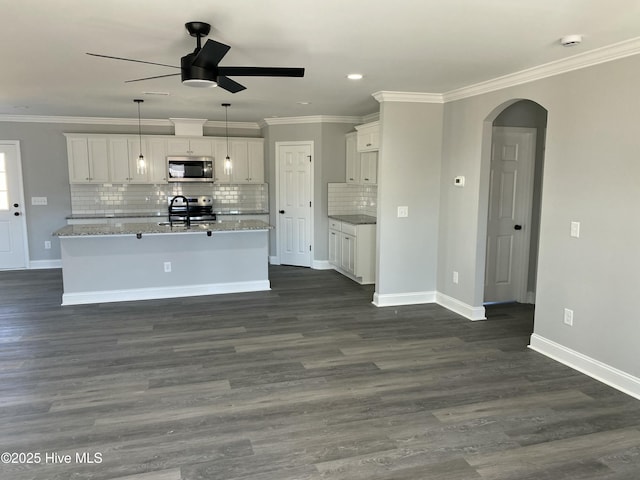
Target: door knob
[(281, 211), (517, 227), (16, 205), (17, 214)]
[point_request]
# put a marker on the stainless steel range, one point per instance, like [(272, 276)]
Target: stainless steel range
[(191, 209)]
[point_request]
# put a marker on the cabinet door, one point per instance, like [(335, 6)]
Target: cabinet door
[(178, 146), (200, 147), (368, 137), (352, 159), (219, 156), (119, 159), (239, 161), (348, 253), (98, 160), (157, 159), (369, 167), (136, 174), (255, 161), (334, 247), (78, 155)]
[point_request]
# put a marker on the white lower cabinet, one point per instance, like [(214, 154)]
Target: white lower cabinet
[(352, 250)]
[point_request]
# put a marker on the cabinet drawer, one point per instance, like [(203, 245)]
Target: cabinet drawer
[(349, 229), (335, 225)]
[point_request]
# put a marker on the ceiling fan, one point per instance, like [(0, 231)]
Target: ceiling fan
[(200, 68)]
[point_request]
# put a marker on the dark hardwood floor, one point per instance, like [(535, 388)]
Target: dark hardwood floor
[(307, 381)]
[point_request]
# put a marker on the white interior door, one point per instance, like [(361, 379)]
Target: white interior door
[(509, 222), (294, 203), (13, 231)]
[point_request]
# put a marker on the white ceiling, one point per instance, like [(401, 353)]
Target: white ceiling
[(433, 46)]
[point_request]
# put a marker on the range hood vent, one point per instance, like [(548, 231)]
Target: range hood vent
[(188, 127)]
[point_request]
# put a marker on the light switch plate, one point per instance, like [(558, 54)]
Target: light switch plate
[(38, 200), (403, 212), (458, 181), (575, 229)]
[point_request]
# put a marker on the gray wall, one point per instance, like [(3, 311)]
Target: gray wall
[(43, 150), (408, 175), (591, 175), (328, 166)]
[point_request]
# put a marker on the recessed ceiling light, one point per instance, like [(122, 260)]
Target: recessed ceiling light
[(354, 76), (570, 40), (156, 93), (303, 103)]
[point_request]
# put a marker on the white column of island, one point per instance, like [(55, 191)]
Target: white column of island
[(140, 261)]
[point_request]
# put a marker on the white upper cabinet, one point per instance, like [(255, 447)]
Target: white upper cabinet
[(369, 168), (157, 159), (352, 159), (123, 160), (247, 160), (361, 167), (113, 158), (88, 159), (368, 137), (190, 146)]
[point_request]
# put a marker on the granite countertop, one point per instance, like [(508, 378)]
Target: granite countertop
[(93, 216), (154, 228), (357, 219)]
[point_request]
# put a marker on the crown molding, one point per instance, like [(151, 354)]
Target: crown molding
[(557, 67), (311, 119), (410, 97), (372, 117), (149, 122)]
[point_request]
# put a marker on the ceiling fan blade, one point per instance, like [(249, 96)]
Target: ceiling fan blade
[(261, 71), (151, 78), (230, 85), (131, 60), (210, 54)]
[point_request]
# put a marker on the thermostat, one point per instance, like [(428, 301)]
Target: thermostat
[(458, 181)]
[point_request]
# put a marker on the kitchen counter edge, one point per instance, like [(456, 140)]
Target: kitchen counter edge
[(85, 230)]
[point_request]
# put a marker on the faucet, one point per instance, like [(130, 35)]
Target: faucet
[(186, 202)]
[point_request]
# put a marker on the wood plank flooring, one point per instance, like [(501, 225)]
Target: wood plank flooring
[(308, 381)]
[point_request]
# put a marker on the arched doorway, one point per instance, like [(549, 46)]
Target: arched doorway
[(515, 167)]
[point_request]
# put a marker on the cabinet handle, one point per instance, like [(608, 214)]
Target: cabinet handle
[(367, 179), (368, 144)]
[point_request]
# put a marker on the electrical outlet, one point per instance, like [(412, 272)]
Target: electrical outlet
[(47, 245), (568, 317), (167, 267), (455, 277), (403, 212)]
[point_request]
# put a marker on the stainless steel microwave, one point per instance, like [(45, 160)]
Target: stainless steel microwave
[(189, 169)]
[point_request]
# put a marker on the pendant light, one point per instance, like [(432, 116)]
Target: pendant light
[(141, 164), (227, 161)]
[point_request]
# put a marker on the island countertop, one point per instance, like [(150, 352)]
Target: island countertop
[(155, 229)]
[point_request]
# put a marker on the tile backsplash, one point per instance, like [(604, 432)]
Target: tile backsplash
[(349, 198), (110, 199)]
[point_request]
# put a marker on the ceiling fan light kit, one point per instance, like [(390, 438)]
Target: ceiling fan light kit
[(201, 67)]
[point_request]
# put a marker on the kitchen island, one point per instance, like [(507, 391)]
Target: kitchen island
[(139, 261)]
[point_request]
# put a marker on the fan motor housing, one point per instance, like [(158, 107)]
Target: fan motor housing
[(196, 76)]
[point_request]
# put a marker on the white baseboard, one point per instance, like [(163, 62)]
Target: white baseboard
[(274, 260), (461, 308), (531, 298), (43, 264), (595, 369), (394, 299), (82, 298), (321, 265)]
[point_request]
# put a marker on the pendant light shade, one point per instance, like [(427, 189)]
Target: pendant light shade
[(227, 161), (141, 164)]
